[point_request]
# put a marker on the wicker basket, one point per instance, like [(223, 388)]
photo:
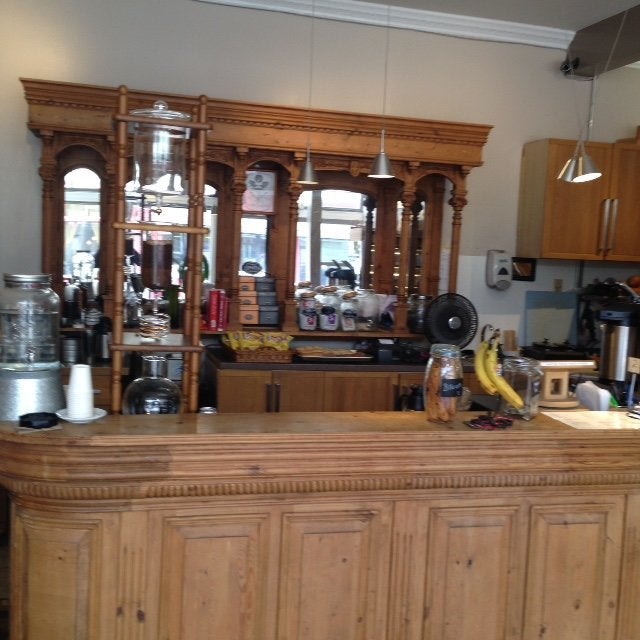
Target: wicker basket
[(260, 355)]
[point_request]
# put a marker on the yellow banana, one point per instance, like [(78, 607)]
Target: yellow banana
[(480, 366), (503, 387)]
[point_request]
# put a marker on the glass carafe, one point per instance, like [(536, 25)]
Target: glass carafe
[(152, 392)]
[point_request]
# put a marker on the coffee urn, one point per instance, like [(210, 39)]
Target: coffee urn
[(30, 369), (619, 324)]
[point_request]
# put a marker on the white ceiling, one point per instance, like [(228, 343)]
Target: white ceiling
[(571, 15)]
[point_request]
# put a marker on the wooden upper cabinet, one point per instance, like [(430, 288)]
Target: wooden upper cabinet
[(593, 220), (625, 193), (430, 159)]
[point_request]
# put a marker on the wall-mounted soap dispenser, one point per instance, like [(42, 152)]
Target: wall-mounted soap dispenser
[(498, 269)]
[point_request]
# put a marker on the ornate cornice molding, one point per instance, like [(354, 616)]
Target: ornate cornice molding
[(65, 107), (383, 484), (445, 24)]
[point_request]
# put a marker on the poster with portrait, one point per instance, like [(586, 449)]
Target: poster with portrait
[(259, 196)]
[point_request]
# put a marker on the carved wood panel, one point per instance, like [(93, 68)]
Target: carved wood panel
[(215, 576), (474, 571), (62, 584), (574, 569), (334, 572)]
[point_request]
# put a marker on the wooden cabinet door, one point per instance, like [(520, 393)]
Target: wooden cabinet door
[(298, 390), (624, 236), (557, 219), (244, 391), (574, 224), (216, 574), (334, 572), (65, 582), (573, 568), (366, 391), (474, 568)]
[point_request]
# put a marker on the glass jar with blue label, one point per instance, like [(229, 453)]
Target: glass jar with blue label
[(442, 383)]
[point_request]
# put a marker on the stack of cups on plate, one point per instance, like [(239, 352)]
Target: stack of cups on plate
[(80, 393)]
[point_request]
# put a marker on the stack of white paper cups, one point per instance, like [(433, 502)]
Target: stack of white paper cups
[(80, 393)]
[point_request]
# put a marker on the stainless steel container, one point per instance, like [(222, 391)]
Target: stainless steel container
[(29, 391), (618, 325)]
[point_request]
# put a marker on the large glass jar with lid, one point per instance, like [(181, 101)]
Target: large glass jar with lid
[(368, 310), (525, 376), (29, 323), (417, 312), (153, 392), (442, 383), (328, 308)]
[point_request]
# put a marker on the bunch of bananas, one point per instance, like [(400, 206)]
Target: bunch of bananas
[(486, 368)]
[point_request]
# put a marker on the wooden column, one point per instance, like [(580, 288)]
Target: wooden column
[(458, 201), (290, 321)]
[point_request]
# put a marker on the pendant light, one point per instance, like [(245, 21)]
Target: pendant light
[(580, 167), (382, 165), (307, 173)]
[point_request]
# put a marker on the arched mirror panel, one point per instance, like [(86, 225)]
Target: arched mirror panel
[(75, 225)]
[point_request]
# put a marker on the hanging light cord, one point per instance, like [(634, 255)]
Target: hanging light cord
[(312, 30), (606, 68), (589, 122), (386, 62)]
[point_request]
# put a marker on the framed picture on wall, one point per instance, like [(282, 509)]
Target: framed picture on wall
[(259, 196)]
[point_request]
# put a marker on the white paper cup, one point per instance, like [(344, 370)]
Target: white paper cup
[(80, 392)]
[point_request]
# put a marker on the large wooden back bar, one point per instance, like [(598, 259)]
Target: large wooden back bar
[(431, 161), (317, 526)]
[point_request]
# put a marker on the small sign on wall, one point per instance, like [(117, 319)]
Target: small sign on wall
[(259, 196)]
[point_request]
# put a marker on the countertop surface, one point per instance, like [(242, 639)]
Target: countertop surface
[(300, 424)]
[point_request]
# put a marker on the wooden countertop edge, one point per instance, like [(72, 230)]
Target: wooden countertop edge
[(131, 457)]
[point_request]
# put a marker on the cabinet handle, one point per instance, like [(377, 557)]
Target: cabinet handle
[(268, 390), (602, 238), (277, 386), (613, 225)]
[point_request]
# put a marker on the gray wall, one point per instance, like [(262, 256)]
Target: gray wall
[(191, 47)]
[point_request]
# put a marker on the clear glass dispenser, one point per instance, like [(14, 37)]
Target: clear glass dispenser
[(29, 323)]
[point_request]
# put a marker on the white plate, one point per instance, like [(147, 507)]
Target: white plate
[(97, 413)]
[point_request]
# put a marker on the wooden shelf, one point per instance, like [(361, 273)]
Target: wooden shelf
[(338, 335), (131, 341)]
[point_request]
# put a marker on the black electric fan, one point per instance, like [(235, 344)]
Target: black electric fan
[(451, 319)]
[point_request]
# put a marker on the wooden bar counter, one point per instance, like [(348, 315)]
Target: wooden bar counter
[(322, 526)]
